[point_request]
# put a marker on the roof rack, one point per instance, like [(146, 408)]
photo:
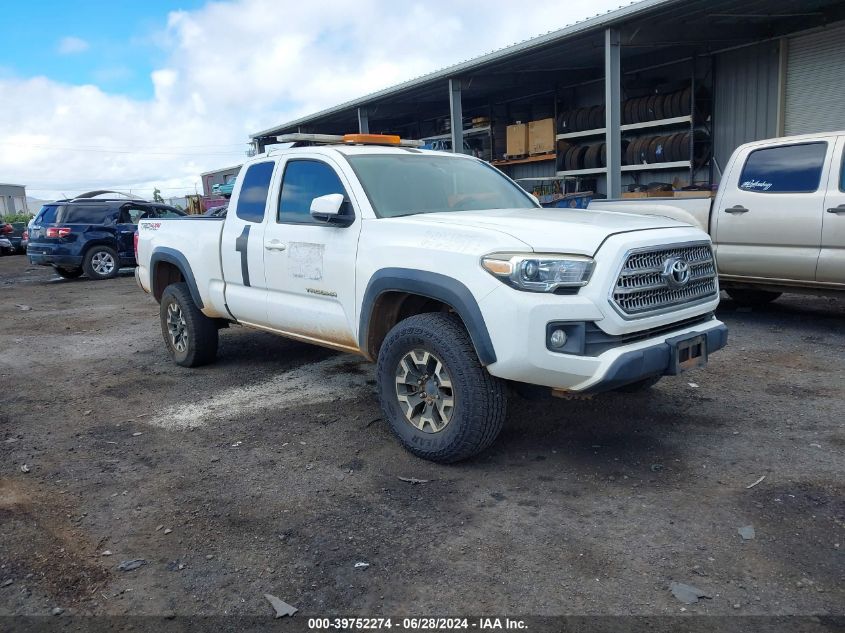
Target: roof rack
[(116, 195), (301, 140)]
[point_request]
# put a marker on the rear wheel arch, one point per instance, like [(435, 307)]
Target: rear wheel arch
[(169, 266), (394, 294)]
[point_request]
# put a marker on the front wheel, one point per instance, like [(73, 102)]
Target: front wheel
[(439, 400), (101, 262), (190, 336)]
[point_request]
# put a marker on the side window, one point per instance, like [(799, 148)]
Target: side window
[(784, 169), (85, 214), (842, 174), (133, 215), (253, 196), (303, 181)]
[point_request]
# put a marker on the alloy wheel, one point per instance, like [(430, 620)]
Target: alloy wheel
[(424, 390), (103, 263), (177, 328)]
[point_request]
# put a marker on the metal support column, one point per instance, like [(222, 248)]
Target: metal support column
[(363, 121), (613, 112), (457, 116)]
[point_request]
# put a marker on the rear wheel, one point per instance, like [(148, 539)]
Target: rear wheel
[(752, 298), (190, 336), (69, 273), (439, 400), (101, 262)]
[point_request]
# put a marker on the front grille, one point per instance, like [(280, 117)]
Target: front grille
[(645, 285)]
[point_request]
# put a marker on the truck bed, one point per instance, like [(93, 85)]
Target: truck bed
[(196, 237), (694, 211)]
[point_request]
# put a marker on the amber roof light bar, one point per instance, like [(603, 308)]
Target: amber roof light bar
[(348, 139)]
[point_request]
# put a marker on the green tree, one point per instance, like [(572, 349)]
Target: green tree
[(157, 195)]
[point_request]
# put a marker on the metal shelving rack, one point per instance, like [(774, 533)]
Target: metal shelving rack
[(687, 121)]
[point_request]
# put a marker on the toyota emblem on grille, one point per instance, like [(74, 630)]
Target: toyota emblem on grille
[(676, 272)]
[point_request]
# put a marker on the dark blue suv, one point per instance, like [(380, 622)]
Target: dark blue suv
[(90, 235)]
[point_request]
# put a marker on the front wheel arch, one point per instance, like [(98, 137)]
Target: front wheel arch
[(449, 292)]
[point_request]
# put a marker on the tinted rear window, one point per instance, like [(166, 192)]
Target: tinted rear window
[(83, 214), (842, 175), (784, 169), (253, 196), (47, 214)]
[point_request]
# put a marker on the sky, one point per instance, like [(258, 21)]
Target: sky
[(134, 96)]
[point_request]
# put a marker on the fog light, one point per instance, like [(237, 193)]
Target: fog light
[(558, 338)]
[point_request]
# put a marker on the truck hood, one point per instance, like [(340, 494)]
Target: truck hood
[(575, 231)]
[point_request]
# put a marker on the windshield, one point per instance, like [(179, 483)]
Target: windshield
[(418, 183)]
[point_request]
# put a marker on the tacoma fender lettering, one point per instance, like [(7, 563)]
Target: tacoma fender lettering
[(434, 286)]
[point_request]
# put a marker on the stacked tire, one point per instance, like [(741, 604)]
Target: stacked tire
[(580, 119), (653, 107), (663, 148)]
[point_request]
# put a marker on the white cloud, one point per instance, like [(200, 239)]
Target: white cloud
[(233, 68), (71, 45)]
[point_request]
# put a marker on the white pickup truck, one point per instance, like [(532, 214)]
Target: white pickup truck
[(443, 270), (777, 221)]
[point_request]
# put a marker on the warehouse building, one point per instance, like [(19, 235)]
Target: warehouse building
[(660, 91), (12, 200)]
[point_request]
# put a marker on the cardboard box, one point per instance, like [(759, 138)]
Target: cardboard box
[(693, 194), (517, 140), (647, 194), (541, 136)]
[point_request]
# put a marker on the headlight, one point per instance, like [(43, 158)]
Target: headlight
[(539, 272)]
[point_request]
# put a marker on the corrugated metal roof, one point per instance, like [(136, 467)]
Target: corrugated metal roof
[(599, 21), (660, 31)]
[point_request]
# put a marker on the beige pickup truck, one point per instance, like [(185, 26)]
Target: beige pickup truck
[(777, 222)]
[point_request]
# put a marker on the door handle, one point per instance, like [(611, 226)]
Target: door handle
[(275, 246), (839, 209), (736, 209)]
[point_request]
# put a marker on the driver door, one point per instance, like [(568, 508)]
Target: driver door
[(310, 265)]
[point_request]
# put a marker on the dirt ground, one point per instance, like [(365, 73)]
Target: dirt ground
[(272, 472)]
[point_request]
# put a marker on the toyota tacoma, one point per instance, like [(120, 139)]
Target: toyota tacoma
[(442, 270)]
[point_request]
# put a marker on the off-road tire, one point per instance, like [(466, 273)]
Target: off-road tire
[(89, 262), (752, 298), (200, 332), (640, 385), (69, 273), (480, 400)]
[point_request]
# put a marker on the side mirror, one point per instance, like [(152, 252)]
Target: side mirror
[(328, 209)]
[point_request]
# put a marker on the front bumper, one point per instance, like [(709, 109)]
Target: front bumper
[(655, 360), (614, 367)]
